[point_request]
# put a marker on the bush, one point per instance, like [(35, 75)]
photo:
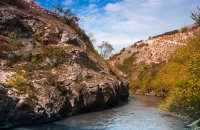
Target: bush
[(182, 77), (184, 29), (167, 33), (21, 83), (196, 15), (12, 46), (73, 41), (195, 125), (18, 82), (68, 14), (57, 55), (27, 104)]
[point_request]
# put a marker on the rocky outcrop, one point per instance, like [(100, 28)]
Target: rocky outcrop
[(143, 60), (156, 49), (49, 69)]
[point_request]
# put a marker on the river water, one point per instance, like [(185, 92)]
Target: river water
[(140, 113)]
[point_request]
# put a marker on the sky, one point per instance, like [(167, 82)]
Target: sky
[(123, 22)]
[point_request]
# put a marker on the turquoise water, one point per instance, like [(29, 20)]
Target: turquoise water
[(140, 113)]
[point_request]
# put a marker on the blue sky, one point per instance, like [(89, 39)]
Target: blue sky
[(122, 22)]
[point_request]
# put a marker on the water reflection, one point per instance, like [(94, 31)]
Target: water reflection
[(141, 113)]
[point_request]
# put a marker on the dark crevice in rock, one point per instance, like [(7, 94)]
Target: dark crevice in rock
[(45, 77)]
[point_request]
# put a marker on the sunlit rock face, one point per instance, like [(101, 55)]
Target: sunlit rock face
[(155, 49), (142, 60), (49, 68)]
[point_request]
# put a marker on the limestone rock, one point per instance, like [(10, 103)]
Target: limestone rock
[(48, 69)]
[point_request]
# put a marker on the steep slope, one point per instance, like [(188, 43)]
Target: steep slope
[(49, 68), (142, 60), (181, 76)]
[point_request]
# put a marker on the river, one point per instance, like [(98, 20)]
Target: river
[(140, 113)]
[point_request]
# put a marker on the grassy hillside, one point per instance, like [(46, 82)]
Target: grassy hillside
[(181, 76), (140, 75), (178, 79)]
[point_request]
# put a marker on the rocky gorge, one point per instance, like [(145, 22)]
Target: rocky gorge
[(49, 69), (145, 58)]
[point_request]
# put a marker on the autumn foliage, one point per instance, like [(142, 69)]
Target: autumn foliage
[(181, 76)]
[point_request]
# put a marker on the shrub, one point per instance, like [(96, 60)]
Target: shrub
[(21, 83), (167, 33), (73, 41), (57, 55), (27, 104), (12, 46), (182, 77), (184, 29), (68, 14), (196, 15), (195, 125)]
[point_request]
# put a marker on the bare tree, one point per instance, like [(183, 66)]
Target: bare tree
[(57, 8), (92, 39), (68, 14), (105, 49), (195, 15), (101, 46)]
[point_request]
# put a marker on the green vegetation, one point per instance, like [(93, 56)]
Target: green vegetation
[(18, 82), (12, 46), (56, 55), (140, 75), (24, 64), (184, 29), (195, 125), (127, 66), (73, 41), (167, 33), (27, 104), (196, 15), (21, 83), (182, 77), (178, 80), (68, 14)]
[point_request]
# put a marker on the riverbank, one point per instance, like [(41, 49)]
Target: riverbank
[(154, 94), (141, 112)]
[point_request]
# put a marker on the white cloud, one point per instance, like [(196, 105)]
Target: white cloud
[(127, 21)]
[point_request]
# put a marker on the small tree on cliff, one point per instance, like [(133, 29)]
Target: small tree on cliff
[(92, 38), (195, 15), (56, 8), (105, 49), (68, 14)]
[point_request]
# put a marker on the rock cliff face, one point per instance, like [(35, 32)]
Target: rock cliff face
[(155, 49), (142, 60), (49, 68)]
